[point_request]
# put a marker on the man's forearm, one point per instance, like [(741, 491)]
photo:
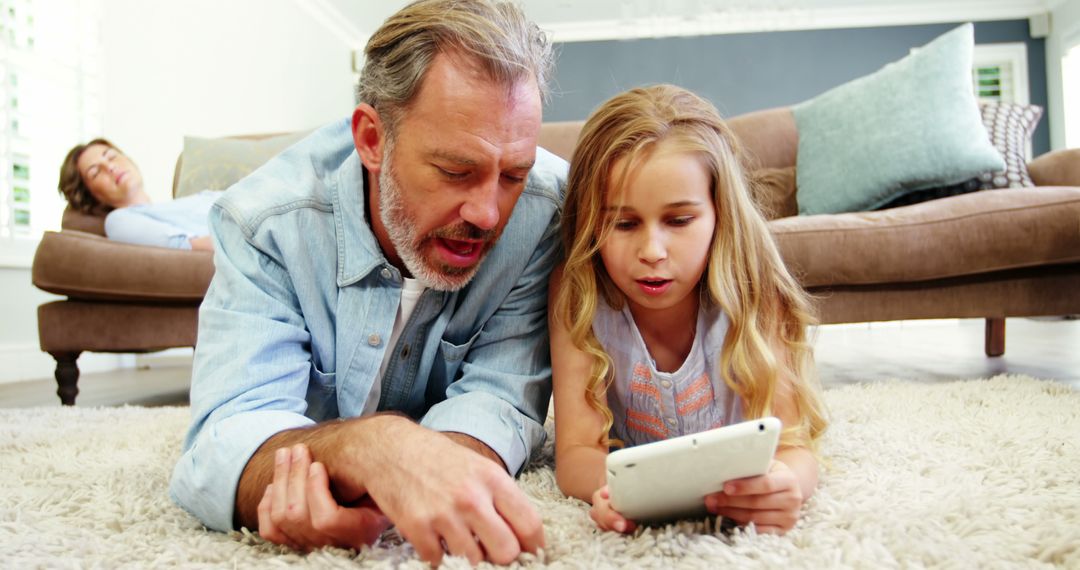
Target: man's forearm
[(475, 445), (333, 443)]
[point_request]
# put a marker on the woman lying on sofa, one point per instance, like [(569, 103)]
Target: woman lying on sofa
[(96, 176)]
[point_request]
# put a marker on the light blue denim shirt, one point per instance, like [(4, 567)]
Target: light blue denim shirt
[(296, 321)]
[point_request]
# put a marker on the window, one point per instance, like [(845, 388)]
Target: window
[(1000, 72), (1070, 83), (50, 99)]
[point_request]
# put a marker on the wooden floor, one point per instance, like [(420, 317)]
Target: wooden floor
[(924, 351)]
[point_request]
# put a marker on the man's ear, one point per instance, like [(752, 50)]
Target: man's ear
[(368, 136)]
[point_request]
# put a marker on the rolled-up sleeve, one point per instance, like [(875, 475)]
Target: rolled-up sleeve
[(250, 375)]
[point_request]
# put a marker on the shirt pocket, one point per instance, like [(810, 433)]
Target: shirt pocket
[(321, 395), (451, 356)]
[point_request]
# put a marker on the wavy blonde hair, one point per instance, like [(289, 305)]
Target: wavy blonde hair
[(744, 275)]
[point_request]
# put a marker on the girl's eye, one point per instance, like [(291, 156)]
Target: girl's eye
[(625, 224), (681, 220)]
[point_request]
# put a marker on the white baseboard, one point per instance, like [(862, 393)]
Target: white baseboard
[(170, 357), (21, 362)]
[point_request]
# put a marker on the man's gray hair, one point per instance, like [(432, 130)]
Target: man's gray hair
[(496, 34)]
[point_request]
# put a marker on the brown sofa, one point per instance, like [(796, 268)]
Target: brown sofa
[(989, 254)]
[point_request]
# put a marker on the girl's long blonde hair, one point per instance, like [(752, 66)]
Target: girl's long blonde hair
[(744, 276)]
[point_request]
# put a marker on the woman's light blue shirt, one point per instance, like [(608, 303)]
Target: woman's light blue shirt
[(168, 224)]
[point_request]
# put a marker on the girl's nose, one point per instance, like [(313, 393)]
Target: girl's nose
[(653, 248)]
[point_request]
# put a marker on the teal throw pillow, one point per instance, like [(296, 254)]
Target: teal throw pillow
[(911, 125)]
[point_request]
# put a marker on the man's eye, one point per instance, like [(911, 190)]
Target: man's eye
[(452, 174), (513, 179)]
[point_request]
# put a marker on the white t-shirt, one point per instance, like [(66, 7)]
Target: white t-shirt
[(410, 294)]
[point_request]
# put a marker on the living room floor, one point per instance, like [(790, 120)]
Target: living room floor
[(923, 351)]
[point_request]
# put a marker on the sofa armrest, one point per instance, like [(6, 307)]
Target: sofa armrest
[(86, 266), (1056, 168)]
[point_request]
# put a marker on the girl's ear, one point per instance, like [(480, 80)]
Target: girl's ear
[(368, 136)]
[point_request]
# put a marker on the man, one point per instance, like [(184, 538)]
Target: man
[(377, 275)]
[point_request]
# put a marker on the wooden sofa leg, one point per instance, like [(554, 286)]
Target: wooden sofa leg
[(995, 337), (67, 376)]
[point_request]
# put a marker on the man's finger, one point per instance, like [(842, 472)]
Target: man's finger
[(499, 541), (298, 483), (518, 511), (460, 542), (267, 529), (351, 527), (426, 543)]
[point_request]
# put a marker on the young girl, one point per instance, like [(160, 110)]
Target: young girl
[(673, 312)]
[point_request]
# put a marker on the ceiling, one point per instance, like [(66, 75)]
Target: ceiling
[(580, 20)]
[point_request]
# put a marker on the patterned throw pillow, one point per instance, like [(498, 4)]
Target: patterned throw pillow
[(1010, 126)]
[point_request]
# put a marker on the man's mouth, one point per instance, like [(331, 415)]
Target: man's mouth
[(460, 253)]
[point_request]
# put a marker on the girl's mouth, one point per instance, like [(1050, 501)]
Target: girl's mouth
[(654, 286)]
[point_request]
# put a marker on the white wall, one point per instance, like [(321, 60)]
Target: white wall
[(1064, 29), (193, 67), (212, 68)]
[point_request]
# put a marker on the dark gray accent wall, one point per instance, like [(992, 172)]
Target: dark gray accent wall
[(747, 72)]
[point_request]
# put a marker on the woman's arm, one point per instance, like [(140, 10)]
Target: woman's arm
[(579, 456), (133, 226)]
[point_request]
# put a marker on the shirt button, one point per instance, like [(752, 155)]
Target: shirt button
[(386, 274), (671, 422), (666, 383), (374, 339)]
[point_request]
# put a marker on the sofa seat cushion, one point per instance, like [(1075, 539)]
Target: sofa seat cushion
[(86, 266), (975, 233)]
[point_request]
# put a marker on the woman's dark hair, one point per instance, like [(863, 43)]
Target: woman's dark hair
[(72, 185)]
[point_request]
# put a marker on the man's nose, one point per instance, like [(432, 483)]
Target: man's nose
[(481, 207)]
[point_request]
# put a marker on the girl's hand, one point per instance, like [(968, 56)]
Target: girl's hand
[(606, 517), (771, 501)]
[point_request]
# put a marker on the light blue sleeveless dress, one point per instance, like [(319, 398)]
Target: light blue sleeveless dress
[(649, 405)]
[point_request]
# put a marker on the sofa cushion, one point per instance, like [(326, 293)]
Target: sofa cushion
[(1010, 126), (1056, 168), (92, 223), (767, 138), (773, 190), (87, 266), (560, 137), (970, 234), (911, 125), (217, 163)]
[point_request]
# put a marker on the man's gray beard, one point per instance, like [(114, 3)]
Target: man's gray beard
[(401, 229)]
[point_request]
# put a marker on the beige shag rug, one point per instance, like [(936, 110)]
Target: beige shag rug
[(974, 474)]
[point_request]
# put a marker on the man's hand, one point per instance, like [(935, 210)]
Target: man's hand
[(606, 517), (442, 495), (299, 511), (771, 501)]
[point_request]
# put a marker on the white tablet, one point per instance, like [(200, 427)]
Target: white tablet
[(669, 479)]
